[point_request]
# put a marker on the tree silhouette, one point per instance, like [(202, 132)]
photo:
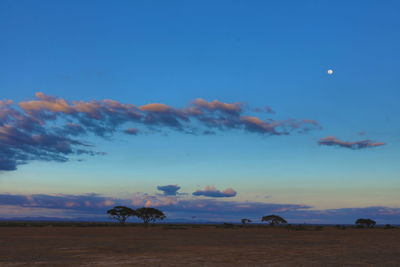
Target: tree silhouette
[(121, 213), (149, 215), (365, 223), (245, 221), (273, 219)]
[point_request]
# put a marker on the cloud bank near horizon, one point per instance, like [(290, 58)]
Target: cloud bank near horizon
[(94, 207), (49, 128)]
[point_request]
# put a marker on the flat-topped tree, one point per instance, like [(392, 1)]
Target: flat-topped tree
[(149, 215), (365, 223), (121, 213), (273, 220)]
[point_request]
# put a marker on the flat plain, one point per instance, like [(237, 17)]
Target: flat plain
[(197, 246)]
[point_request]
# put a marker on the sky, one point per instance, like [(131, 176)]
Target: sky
[(214, 110)]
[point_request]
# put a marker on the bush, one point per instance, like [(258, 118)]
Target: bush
[(174, 227), (300, 227), (388, 226), (229, 225)]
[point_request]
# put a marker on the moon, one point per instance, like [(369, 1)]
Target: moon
[(330, 72)]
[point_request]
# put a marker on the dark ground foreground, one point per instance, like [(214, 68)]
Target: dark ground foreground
[(197, 246)]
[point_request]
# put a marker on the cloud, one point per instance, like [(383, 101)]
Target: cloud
[(211, 191), (161, 114), (217, 106), (266, 109), (333, 141), (131, 131), (255, 124), (169, 190), (269, 110), (73, 129), (49, 128), (88, 203), (19, 145)]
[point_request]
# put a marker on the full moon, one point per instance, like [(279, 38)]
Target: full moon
[(330, 72)]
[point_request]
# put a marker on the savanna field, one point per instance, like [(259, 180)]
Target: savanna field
[(197, 245), (199, 133)]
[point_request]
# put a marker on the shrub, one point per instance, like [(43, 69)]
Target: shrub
[(388, 226), (229, 225)]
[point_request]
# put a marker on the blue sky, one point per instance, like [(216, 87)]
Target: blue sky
[(245, 54)]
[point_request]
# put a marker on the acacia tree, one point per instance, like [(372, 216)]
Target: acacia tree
[(149, 215), (121, 213), (365, 223), (245, 221), (273, 219)]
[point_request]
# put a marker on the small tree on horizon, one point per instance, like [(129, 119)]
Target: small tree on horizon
[(245, 221), (149, 215), (273, 219), (365, 223), (121, 213)]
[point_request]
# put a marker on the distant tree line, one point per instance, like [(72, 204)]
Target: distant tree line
[(277, 220), (149, 215)]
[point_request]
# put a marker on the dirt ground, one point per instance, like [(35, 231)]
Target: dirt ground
[(204, 246)]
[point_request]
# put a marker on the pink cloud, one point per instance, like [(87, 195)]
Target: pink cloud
[(333, 141), (49, 128)]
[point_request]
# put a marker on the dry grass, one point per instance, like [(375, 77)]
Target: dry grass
[(205, 246)]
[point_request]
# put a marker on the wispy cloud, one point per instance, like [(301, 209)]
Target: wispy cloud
[(232, 108), (333, 141), (51, 129), (266, 109), (211, 191), (131, 131)]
